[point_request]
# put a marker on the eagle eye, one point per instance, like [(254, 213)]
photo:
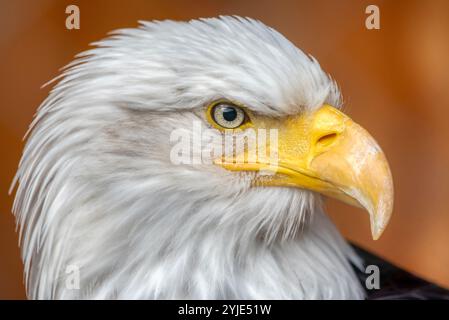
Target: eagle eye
[(227, 115)]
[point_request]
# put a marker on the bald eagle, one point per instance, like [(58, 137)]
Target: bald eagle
[(99, 192)]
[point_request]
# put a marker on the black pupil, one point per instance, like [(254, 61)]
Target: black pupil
[(229, 113)]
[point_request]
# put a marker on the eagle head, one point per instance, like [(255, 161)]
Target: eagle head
[(132, 175)]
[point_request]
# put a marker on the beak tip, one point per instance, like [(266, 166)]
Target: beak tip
[(376, 234), (379, 223)]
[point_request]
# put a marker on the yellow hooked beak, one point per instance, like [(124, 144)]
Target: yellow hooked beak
[(325, 151)]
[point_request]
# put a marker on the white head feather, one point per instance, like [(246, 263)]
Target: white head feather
[(97, 189)]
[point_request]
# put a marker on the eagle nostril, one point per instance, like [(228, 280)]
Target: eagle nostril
[(326, 139)]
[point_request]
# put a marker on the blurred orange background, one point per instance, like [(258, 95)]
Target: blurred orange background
[(394, 80)]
